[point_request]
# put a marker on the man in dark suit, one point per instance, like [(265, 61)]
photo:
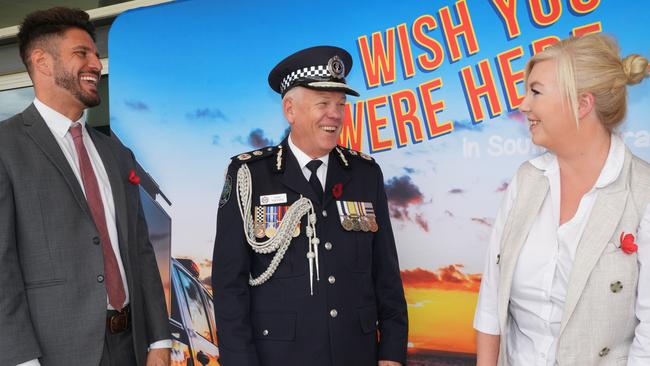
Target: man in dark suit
[(305, 270), (79, 279)]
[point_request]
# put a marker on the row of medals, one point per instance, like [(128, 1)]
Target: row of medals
[(359, 223), (261, 230)]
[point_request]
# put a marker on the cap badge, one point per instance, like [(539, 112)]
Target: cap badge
[(336, 67)]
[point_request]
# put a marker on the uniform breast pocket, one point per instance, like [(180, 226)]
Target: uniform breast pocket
[(293, 262), (359, 251)]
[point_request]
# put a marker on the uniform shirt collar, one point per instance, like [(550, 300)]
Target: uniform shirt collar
[(55, 121), (610, 172), (303, 158)]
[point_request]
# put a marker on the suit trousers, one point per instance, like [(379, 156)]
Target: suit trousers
[(118, 349)]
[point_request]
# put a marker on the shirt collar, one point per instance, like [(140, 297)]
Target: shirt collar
[(610, 172), (57, 123), (303, 158)]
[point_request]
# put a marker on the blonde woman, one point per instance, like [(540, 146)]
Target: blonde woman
[(567, 278)]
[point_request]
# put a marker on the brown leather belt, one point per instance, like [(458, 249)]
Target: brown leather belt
[(118, 321)]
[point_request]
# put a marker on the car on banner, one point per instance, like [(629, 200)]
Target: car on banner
[(191, 317), (194, 336)]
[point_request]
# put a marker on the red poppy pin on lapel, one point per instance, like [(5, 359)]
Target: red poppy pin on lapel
[(133, 178), (628, 246), (337, 190)]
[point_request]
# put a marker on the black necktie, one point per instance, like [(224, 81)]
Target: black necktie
[(313, 179)]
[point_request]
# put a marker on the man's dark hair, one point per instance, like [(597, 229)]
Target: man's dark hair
[(40, 26)]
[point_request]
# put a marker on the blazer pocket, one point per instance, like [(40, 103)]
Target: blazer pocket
[(368, 319), (274, 326), (43, 283)]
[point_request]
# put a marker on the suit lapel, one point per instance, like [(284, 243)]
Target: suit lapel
[(117, 185), (38, 131), (610, 204), (335, 174)]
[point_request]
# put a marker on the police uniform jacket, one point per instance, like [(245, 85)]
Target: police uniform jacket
[(357, 314)]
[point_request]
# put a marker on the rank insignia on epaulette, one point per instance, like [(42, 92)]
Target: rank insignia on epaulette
[(357, 216), (365, 156), (244, 156), (257, 153)]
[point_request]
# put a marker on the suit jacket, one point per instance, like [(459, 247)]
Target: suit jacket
[(357, 313), (53, 304), (598, 320)]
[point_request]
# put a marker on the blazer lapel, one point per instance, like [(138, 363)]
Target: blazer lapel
[(117, 186), (335, 174), (37, 130), (610, 203), (532, 188)]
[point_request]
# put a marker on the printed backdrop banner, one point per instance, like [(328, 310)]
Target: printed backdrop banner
[(440, 83)]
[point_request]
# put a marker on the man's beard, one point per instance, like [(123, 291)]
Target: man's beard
[(67, 81)]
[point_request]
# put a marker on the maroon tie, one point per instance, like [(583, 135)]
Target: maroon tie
[(112, 277)]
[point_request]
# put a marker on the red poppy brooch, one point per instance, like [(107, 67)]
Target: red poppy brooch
[(133, 178), (628, 246), (337, 190)]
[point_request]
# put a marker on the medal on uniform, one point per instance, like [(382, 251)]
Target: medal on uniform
[(369, 214), (347, 223), (281, 211), (259, 226), (271, 221), (364, 224), (355, 215), (343, 215)]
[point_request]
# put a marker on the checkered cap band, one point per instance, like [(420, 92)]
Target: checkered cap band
[(311, 72)]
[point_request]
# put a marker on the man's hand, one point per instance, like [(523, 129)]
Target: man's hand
[(388, 363), (158, 357)]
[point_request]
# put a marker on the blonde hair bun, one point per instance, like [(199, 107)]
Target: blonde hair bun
[(635, 68)]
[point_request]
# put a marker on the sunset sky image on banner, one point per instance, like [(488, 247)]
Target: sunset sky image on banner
[(440, 83)]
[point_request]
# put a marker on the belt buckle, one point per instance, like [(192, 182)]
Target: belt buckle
[(119, 322)]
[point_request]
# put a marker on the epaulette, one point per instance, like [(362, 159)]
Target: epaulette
[(353, 154), (255, 155)]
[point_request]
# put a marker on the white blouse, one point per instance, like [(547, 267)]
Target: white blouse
[(542, 272)]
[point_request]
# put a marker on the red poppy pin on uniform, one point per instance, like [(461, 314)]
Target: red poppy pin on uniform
[(337, 190), (133, 178), (628, 246)]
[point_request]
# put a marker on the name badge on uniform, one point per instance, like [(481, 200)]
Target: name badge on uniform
[(357, 216), (268, 220), (273, 199)]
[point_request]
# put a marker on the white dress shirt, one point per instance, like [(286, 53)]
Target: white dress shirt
[(59, 125), (303, 159), (543, 268)]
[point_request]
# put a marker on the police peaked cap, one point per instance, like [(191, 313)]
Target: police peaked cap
[(318, 68)]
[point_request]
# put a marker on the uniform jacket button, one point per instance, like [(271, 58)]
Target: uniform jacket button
[(616, 286), (100, 278), (324, 213), (331, 279), (328, 246), (265, 332), (96, 241), (334, 313)]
